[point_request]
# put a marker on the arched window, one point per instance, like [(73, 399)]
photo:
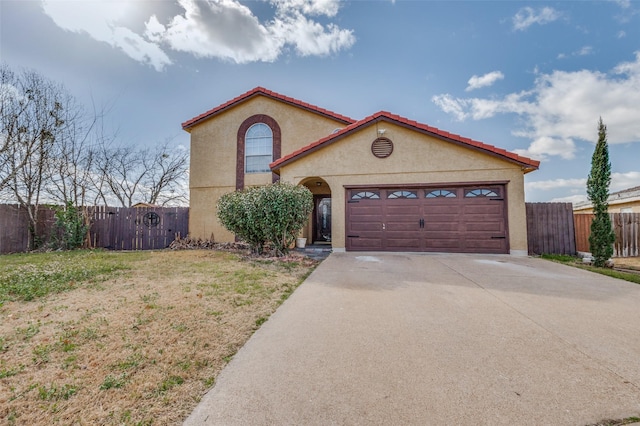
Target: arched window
[(258, 148)]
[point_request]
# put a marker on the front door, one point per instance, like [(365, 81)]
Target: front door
[(322, 222)]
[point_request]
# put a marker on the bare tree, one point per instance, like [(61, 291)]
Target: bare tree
[(155, 176), (166, 178), (12, 109), (72, 158), (33, 115), (123, 172)]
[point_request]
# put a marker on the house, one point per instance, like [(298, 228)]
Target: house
[(625, 201), (383, 183)]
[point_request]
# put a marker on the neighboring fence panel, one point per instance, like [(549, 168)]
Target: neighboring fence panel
[(550, 228), (582, 223), (14, 228), (626, 227)]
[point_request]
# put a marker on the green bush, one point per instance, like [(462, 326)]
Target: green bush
[(72, 228), (272, 214)]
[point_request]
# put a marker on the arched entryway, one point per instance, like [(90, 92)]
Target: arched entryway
[(318, 229)]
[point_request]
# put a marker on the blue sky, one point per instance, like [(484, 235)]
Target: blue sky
[(532, 77)]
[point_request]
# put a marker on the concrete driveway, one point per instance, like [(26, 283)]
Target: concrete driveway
[(401, 339)]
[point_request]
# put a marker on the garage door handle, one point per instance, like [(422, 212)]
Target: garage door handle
[(353, 236), (421, 223), (498, 238)]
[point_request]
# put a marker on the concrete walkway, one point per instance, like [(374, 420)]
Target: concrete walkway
[(404, 339)]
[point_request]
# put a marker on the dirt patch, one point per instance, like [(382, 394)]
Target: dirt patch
[(627, 262), (141, 348)]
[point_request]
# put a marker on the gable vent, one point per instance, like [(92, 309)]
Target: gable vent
[(382, 147)]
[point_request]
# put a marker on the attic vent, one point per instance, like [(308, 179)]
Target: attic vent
[(382, 147)]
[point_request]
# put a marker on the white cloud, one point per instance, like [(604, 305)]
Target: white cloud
[(527, 16), (451, 105), (586, 50), (224, 29), (311, 7), (621, 34), (546, 185), (545, 146), (578, 186), (100, 21), (625, 4), (476, 82), (309, 37), (563, 107), (574, 199), (620, 181)]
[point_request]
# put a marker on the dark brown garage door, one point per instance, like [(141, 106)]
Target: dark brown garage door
[(465, 219)]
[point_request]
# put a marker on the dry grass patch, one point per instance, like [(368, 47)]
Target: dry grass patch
[(136, 343), (628, 262)]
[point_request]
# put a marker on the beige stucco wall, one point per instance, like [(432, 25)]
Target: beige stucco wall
[(416, 159), (213, 155), (632, 206)]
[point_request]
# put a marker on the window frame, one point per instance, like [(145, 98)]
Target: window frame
[(240, 145), (248, 154)]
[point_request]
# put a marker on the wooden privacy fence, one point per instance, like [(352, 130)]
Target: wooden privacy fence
[(550, 228), (116, 228), (626, 226)]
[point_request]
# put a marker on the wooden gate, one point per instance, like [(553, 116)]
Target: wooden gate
[(137, 228)]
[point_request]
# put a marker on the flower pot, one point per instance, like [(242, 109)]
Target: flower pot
[(301, 242)]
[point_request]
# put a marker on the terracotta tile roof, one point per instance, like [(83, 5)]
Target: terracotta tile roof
[(262, 91), (527, 163)]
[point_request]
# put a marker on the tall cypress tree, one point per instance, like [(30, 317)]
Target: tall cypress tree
[(602, 235)]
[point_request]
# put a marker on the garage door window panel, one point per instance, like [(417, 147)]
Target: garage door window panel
[(365, 195), (440, 193), (402, 195), (481, 192)]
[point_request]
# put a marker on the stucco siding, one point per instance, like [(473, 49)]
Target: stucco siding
[(213, 142), (214, 150)]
